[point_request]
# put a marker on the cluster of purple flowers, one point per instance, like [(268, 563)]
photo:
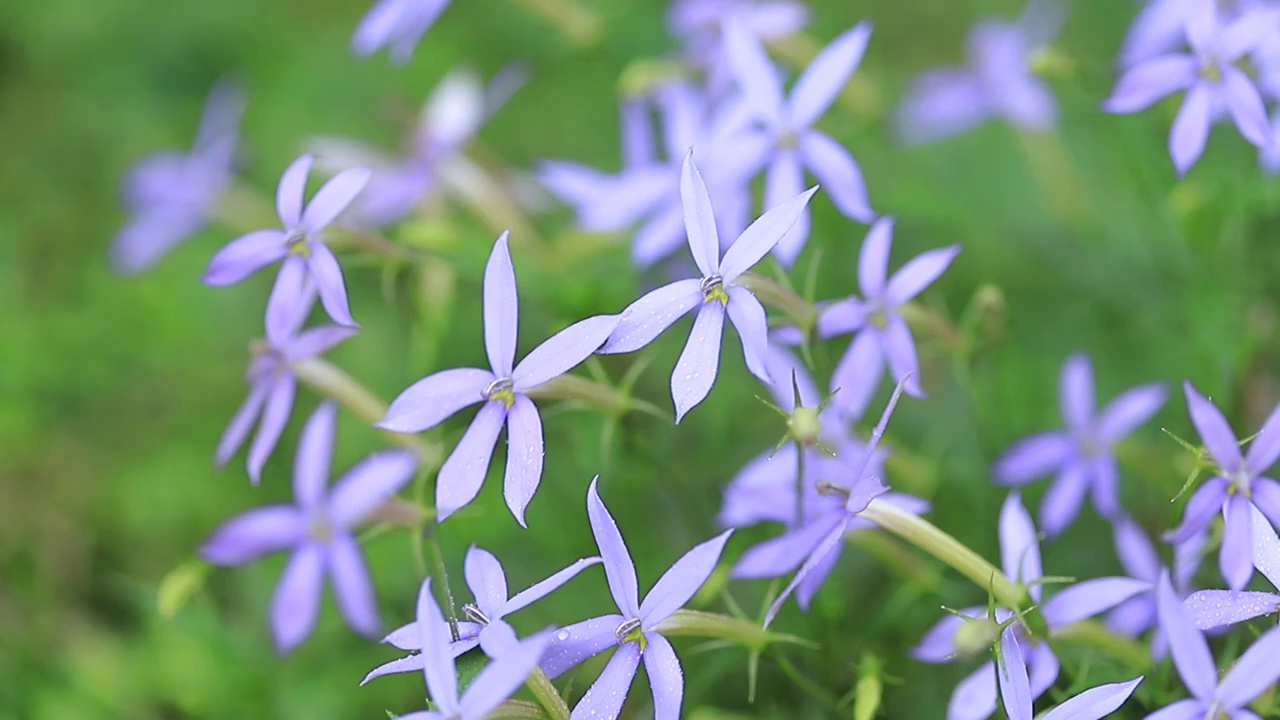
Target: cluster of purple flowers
[(738, 124)]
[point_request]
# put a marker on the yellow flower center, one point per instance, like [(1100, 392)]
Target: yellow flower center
[(713, 289), (501, 390)]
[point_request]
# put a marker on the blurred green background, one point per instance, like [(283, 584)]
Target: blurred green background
[(113, 392)]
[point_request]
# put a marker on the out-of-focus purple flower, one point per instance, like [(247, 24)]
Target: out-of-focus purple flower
[(395, 24), (647, 191), (484, 626), (272, 384), (170, 195), (785, 140), (1209, 75), (298, 245), (502, 390), (489, 689), (881, 333), (714, 294), (975, 697), (1252, 673), (700, 24), (633, 630), (1212, 609), (997, 81), (1082, 456), (1237, 487), (1015, 689), (1161, 27), (1138, 614), (319, 531)]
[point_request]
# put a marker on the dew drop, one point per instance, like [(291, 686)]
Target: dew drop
[(563, 635)]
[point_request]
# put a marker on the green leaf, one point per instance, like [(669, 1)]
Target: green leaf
[(179, 586)]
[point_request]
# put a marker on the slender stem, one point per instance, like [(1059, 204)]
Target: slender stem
[(547, 695), (1093, 634), (442, 572), (926, 536), (780, 297)]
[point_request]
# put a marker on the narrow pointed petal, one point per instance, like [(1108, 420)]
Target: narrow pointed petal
[(317, 341), (695, 371), (1253, 673), (645, 319), (563, 351), (618, 569), (1181, 710), (1245, 106), (857, 375), (1076, 392), (813, 563), (1212, 609), (293, 295), (1015, 687), (1266, 547), (827, 74), (975, 697), (606, 695), (1151, 81), (784, 180), (841, 317), (575, 643), (839, 174), (293, 185), (351, 585), (1129, 410), (812, 582), (501, 677), (780, 555), (1137, 555), (1236, 558), (665, 677), (254, 534), (1266, 497), (873, 258), (679, 583), (760, 491), (748, 318), (315, 449), (501, 308), (1190, 129), (1190, 650), (464, 471), (327, 272), (368, 484), (699, 221), (900, 350), (539, 590), (919, 273), (296, 602), (437, 667), (1265, 448), (1095, 703), (942, 103), (431, 400), (1090, 597), (636, 133), (659, 237), (241, 423), (753, 71), (275, 415), (334, 197), (524, 456), (760, 236), (244, 256), (1205, 502), (1043, 667), (409, 663), (1104, 485), (487, 580), (1061, 504), (1019, 547)]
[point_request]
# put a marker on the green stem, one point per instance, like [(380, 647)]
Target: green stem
[(442, 572), (1092, 634), (784, 299), (547, 695)]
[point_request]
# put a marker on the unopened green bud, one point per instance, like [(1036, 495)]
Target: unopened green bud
[(976, 635), (803, 425)]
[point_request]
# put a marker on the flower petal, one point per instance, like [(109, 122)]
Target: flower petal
[(1015, 687), (351, 585), (1265, 448), (1019, 547), (975, 697), (618, 569), (368, 484), (315, 449), (334, 197), (841, 317), (1137, 555), (563, 351), (1129, 410), (575, 643), (1201, 507), (666, 679), (293, 185), (900, 350), (699, 221), (327, 272), (541, 589), (293, 295), (1190, 129), (524, 456), (244, 256), (761, 491), (762, 235), (502, 676), (1245, 106), (939, 643), (1212, 609), (1104, 482), (1266, 546), (1253, 673), (1090, 597), (275, 414), (756, 76), (241, 423), (941, 103), (1181, 710), (1033, 457), (748, 318), (1075, 391), (695, 371), (657, 238), (296, 602), (857, 375), (839, 174), (1190, 650), (409, 663), (487, 580), (785, 179), (429, 401), (827, 74), (1154, 79), (919, 273), (1214, 430), (678, 584), (813, 563), (1236, 558), (501, 308), (606, 695), (316, 341), (437, 667), (873, 258), (655, 311), (1061, 504), (1095, 703), (253, 534), (464, 471)]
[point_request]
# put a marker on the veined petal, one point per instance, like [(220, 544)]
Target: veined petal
[(1137, 556), (296, 602), (327, 272), (678, 584), (563, 351), (502, 676), (762, 235), (822, 81), (368, 484), (541, 589), (275, 414), (618, 568), (1150, 81), (1090, 597), (839, 174), (1212, 609), (1129, 410), (1019, 547), (1265, 448), (699, 221), (242, 422), (666, 679), (315, 450), (334, 197), (524, 456), (1015, 687), (858, 373), (1190, 650), (1190, 129), (646, 318), (1095, 703), (753, 71), (464, 471), (748, 318), (785, 179), (1236, 557), (1075, 391), (919, 273), (429, 401), (351, 585), (575, 643), (1245, 106), (873, 258), (438, 668), (606, 695), (244, 256), (487, 580), (293, 185), (253, 534), (501, 307), (695, 371), (1253, 673)]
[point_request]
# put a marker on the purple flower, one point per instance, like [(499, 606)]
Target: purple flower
[(489, 689), (502, 390), (785, 134), (298, 245), (1253, 673), (881, 333), (997, 82), (171, 195), (1138, 614), (319, 531), (397, 24), (485, 626), (1213, 609), (715, 294), (1236, 487), (634, 630), (1082, 456), (700, 24), (1209, 76), (975, 697), (272, 384), (1015, 689)]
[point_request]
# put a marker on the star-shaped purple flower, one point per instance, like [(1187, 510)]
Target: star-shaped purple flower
[(714, 294), (700, 24), (1238, 486), (1214, 609), (484, 626), (1252, 673), (171, 195), (1082, 455), (502, 390), (298, 244), (785, 134), (319, 530), (272, 384), (489, 689), (1210, 77), (634, 630), (1138, 614), (396, 24), (1015, 689), (881, 333)]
